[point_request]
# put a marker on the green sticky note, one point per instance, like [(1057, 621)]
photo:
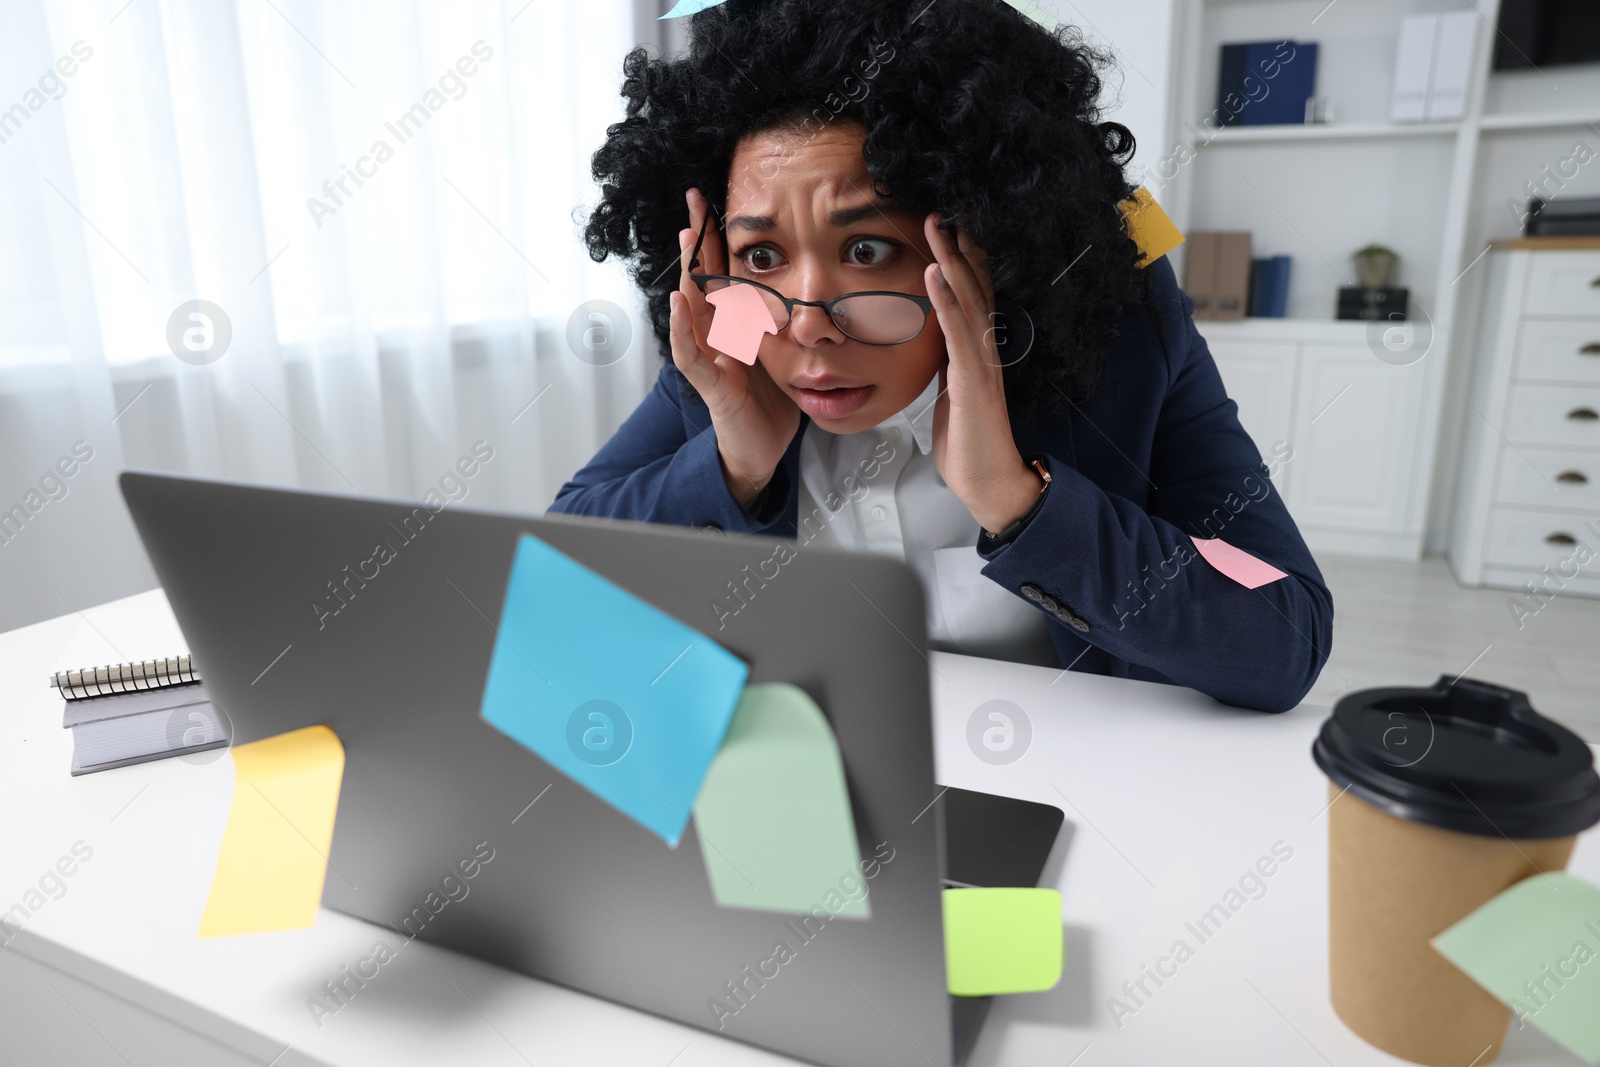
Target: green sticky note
[(1536, 946), (1001, 941), (773, 813)]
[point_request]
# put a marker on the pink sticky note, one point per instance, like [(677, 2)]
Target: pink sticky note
[(1236, 563), (740, 321)]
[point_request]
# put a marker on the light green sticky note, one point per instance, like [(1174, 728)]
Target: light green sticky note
[(1036, 13), (1002, 941), (1536, 946), (773, 813)]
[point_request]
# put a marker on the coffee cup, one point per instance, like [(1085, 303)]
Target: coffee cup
[(1440, 798)]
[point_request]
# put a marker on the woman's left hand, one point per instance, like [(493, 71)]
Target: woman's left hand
[(972, 444)]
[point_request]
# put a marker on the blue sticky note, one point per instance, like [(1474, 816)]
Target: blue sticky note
[(624, 699), (688, 7)]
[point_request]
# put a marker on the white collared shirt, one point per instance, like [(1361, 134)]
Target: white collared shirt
[(879, 491)]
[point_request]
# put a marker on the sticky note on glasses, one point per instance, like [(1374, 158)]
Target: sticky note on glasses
[(742, 318), (274, 855), (1149, 226), (1002, 941), (1534, 947), (613, 692), (773, 815), (1236, 563)]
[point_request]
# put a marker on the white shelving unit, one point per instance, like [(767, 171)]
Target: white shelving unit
[(1550, 121), (1355, 131), (1374, 437)]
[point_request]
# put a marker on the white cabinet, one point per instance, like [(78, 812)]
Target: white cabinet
[(1352, 421), (1259, 377), (1355, 430), (1528, 499)]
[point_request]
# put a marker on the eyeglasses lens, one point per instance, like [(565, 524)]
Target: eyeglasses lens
[(880, 318)]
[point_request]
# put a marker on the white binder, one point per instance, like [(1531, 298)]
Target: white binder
[(1452, 65), (1413, 68)]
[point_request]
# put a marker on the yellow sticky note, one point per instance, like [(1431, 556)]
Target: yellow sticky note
[(1149, 226), (1002, 941), (275, 849)]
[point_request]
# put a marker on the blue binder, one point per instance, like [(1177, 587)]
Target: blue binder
[(1269, 287), (1288, 83)]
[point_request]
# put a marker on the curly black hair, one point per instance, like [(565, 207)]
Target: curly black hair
[(971, 109)]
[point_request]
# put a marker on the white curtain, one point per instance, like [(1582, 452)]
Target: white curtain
[(380, 205)]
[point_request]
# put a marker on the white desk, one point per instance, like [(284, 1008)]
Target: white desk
[(1170, 798)]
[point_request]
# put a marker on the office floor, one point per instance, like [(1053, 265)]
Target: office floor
[(1408, 623)]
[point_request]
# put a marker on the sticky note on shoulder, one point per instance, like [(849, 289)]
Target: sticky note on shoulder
[(1149, 226), (616, 694), (1236, 563), (774, 817), (1536, 947), (274, 855), (1002, 941)]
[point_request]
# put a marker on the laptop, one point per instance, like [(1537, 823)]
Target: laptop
[(572, 891)]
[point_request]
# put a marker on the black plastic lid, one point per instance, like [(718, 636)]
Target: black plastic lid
[(1466, 756)]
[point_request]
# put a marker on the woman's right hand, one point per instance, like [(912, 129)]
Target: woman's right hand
[(754, 419)]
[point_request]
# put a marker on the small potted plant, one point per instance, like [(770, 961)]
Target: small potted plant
[(1375, 266)]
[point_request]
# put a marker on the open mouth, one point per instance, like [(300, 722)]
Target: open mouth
[(831, 402)]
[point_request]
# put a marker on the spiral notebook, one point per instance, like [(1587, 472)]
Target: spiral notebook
[(125, 678), (135, 712)]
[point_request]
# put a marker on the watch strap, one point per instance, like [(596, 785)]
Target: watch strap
[(1010, 533)]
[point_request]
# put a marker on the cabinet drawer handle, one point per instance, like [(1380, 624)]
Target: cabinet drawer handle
[(1573, 478), (1583, 415), (1560, 539), (1590, 349)]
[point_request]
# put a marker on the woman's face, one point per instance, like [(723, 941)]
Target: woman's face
[(801, 218)]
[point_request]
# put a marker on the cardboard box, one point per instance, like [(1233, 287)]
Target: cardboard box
[(1197, 271), (1217, 275)]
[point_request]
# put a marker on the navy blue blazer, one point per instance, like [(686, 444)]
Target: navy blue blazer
[(1154, 458)]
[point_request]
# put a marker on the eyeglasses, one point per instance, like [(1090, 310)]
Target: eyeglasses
[(875, 317)]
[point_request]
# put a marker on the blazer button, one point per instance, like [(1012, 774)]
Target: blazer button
[(713, 527), (1078, 623), (1031, 592)]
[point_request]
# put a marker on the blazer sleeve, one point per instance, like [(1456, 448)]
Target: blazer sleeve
[(1130, 580), (662, 466)]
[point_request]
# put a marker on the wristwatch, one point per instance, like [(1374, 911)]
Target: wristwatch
[(1010, 532)]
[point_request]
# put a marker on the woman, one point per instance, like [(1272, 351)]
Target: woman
[(1028, 417)]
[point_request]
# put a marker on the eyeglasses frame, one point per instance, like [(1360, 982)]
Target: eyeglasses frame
[(789, 303)]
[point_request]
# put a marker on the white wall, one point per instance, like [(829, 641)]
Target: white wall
[(1140, 32)]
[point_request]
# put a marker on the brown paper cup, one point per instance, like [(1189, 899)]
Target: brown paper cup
[(1393, 885), (1440, 799)]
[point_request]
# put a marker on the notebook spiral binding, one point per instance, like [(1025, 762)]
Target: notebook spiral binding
[(125, 677)]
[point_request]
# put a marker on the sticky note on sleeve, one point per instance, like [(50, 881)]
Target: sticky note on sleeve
[(1149, 226), (613, 692), (774, 816), (741, 319), (274, 854), (1236, 563), (1002, 941), (1536, 947)]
